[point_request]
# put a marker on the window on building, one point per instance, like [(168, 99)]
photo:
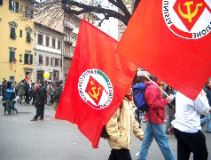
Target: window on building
[(11, 5), (28, 12), (59, 44), (52, 62), (47, 41), (28, 34), (12, 55), (40, 39), (53, 43), (16, 7), (1, 2), (47, 61), (56, 62), (20, 33), (12, 32), (40, 60), (28, 58), (28, 37), (13, 25)]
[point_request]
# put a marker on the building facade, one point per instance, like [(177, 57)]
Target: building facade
[(48, 53), (16, 39), (71, 27)]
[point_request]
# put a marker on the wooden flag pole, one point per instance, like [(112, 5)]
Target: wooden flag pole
[(155, 83)]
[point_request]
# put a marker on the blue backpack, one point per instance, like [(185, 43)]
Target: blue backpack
[(138, 96)]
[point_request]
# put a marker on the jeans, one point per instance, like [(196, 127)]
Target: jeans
[(207, 120), (155, 131)]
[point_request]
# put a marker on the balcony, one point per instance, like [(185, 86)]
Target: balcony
[(68, 55), (69, 25), (69, 39)]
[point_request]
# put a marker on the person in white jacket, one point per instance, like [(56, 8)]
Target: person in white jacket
[(187, 128)]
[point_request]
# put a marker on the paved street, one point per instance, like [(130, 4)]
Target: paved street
[(22, 139)]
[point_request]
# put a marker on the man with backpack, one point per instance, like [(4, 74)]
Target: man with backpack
[(154, 122), (139, 100)]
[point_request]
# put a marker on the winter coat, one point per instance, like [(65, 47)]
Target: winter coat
[(40, 96), (121, 125), (21, 89), (9, 94), (156, 103)]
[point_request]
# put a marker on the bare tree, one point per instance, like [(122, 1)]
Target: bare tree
[(114, 8)]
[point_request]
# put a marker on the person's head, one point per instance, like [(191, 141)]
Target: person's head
[(139, 79), (209, 83), (129, 93)]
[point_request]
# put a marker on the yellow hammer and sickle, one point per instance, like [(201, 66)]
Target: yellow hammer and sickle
[(95, 92), (189, 15)]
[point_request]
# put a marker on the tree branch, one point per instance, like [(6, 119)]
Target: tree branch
[(77, 8)]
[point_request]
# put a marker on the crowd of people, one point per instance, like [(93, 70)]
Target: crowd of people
[(184, 116), (34, 93), (184, 120)]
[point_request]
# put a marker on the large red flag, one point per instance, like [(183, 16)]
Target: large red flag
[(97, 81), (171, 39)]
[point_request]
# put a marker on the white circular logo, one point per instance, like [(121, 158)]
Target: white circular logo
[(189, 19), (95, 88)]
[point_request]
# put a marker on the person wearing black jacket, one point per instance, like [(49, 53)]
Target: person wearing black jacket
[(40, 97)]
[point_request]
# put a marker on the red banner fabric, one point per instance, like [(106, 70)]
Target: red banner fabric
[(171, 40), (97, 81)]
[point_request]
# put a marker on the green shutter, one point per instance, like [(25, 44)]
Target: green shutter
[(25, 59), (16, 7), (31, 59), (10, 4)]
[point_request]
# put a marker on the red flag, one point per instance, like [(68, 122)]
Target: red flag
[(97, 81), (171, 40)]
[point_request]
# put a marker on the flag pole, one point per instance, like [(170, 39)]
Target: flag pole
[(155, 84)]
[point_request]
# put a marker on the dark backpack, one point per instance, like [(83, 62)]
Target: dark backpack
[(138, 96)]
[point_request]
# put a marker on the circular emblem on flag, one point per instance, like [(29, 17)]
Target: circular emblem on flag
[(187, 18), (95, 88)]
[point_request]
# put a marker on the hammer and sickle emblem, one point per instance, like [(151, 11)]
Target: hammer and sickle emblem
[(95, 92), (189, 15)]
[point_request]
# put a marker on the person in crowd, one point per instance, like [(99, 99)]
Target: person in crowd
[(31, 93), (187, 128), (139, 113), (50, 92), (40, 97), (57, 94), (0, 89), (170, 109), (154, 122), (206, 120), (4, 87), (120, 127), (21, 91), (26, 88), (9, 103)]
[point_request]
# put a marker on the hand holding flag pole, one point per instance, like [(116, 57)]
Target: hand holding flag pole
[(145, 75), (169, 97)]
